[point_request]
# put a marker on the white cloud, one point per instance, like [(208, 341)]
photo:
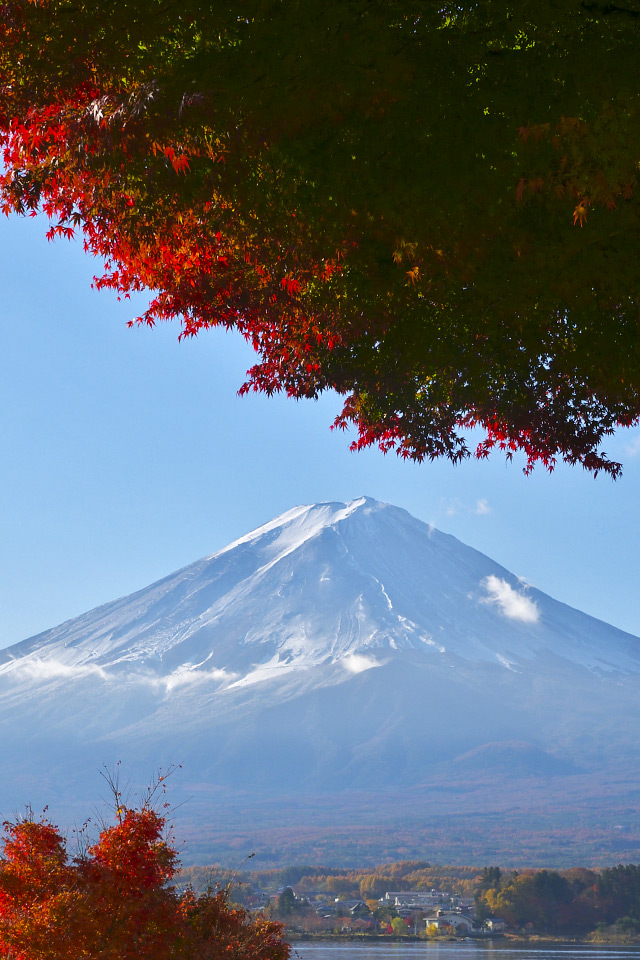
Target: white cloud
[(43, 670), (514, 605), (357, 663), (187, 676), (506, 663), (453, 506)]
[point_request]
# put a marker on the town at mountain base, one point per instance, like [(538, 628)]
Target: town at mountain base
[(340, 682)]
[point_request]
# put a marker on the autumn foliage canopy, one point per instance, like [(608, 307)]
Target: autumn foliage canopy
[(113, 902), (431, 208)]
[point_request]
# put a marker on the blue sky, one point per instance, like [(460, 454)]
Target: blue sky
[(126, 455)]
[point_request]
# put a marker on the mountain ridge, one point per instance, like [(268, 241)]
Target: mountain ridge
[(338, 647), (274, 542)]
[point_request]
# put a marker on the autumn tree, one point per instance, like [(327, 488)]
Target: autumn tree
[(431, 208), (287, 902), (535, 898), (37, 894), (618, 892), (375, 886), (399, 927), (114, 901)]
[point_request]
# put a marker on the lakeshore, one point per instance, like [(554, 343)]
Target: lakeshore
[(499, 939)]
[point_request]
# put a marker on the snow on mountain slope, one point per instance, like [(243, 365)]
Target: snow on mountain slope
[(351, 585), (347, 644)]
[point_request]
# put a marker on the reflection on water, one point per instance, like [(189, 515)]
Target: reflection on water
[(468, 950)]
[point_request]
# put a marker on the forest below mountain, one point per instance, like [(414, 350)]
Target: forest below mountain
[(602, 903)]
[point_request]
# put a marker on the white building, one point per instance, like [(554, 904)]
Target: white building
[(450, 920), (416, 898)]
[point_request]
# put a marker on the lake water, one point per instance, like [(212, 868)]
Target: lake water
[(468, 950)]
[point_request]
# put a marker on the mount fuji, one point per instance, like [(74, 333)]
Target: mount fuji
[(342, 650)]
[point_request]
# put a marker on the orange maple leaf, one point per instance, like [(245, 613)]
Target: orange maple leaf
[(580, 212)]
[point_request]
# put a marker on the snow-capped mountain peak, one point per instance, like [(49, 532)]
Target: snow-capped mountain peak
[(343, 585)]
